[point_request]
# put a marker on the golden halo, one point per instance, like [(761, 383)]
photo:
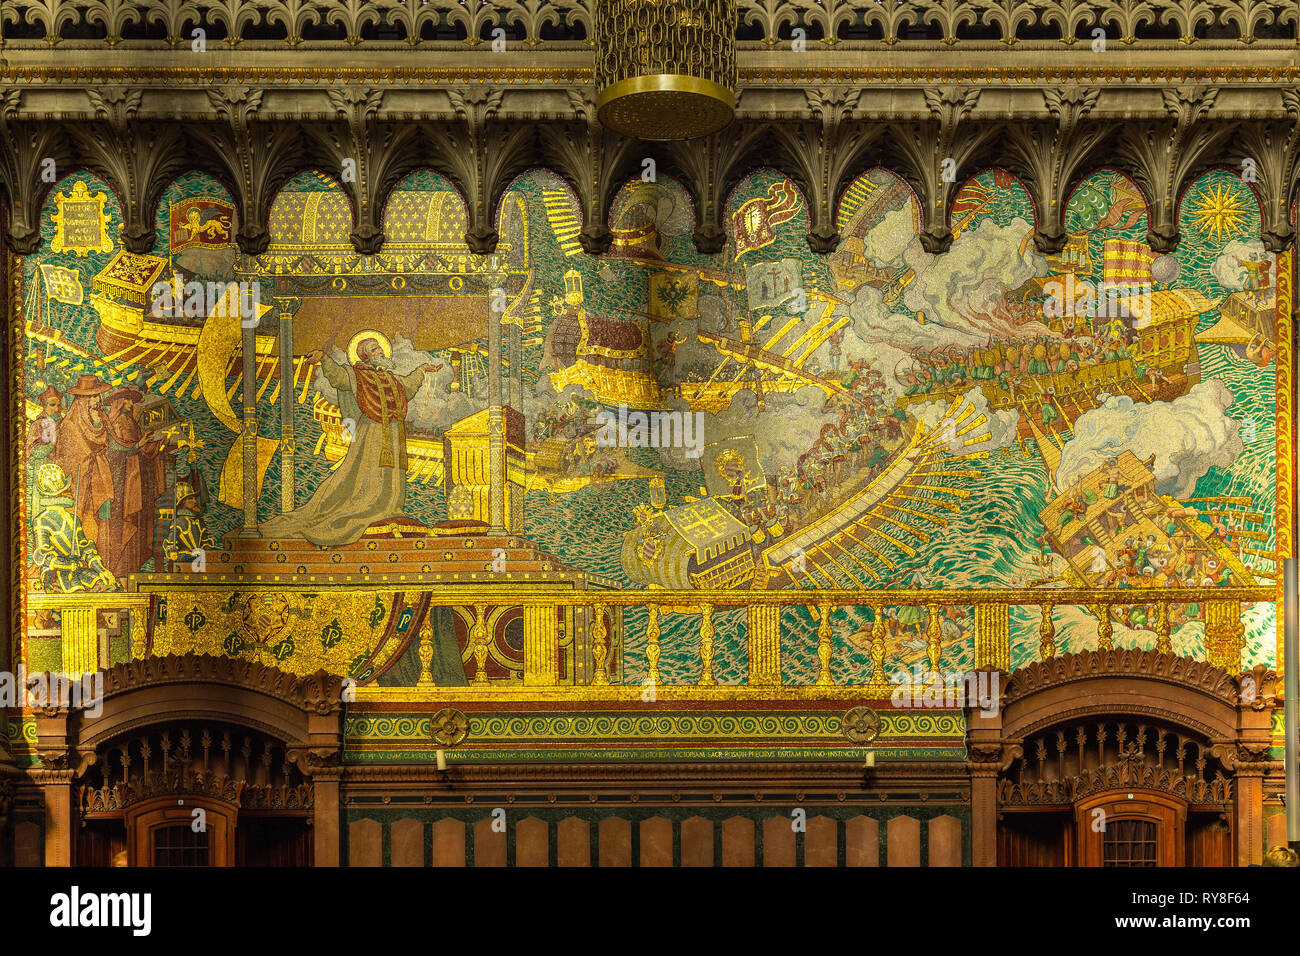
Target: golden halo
[(364, 334)]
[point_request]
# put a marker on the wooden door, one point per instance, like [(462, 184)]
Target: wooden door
[(1130, 828), (165, 832)]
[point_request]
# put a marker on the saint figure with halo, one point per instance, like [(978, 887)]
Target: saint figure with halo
[(370, 483)]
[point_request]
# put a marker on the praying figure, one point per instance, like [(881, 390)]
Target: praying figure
[(370, 483)]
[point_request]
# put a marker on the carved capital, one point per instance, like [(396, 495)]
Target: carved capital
[(253, 239), (595, 239), (936, 241), (823, 240), (1245, 757), (116, 104), (1279, 239), (1257, 688), (482, 239), (367, 239), (138, 238), (710, 239), (989, 758), (22, 238), (310, 761)]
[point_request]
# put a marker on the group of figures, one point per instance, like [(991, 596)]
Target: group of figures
[(832, 373), (96, 481)]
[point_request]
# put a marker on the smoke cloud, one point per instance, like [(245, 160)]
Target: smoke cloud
[(788, 425), (963, 288), (1001, 424), (1187, 437), (1227, 269)]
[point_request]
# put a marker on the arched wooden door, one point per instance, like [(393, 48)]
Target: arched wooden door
[(181, 831), (1130, 828)]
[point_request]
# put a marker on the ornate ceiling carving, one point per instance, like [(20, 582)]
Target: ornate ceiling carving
[(934, 92), (301, 25)]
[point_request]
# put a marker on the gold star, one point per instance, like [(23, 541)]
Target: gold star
[(1220, 211)]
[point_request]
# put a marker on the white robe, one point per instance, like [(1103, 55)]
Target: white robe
[(360, 491)]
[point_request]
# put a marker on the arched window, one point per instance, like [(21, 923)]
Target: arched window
[(177, 844), (1129, 843)]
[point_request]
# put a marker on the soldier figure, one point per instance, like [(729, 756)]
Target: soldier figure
[(67, 559), (188, 539)]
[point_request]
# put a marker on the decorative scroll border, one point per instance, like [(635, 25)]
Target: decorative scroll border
[(1284, 425), (17, 445)]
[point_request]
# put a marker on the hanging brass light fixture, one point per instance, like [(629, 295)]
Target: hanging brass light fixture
[(665, 69)]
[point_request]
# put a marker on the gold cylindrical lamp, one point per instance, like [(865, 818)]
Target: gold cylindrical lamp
[(665, 69)]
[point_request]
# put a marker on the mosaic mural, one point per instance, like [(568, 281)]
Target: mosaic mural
[(763, 419)]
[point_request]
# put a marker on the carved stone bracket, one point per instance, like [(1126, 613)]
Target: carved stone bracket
[(1162, 157), (1049, 158), (370, 157), (253, 158), (1251, 758), (595, 162), (938, 155), (710, 168), (137, 159), (824, 156), (988, 759), (315, 762), (26, 148), (1268, 151), (481, 155)]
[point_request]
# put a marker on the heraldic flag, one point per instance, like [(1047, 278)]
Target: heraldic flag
[(63, 285), (1126, 263)]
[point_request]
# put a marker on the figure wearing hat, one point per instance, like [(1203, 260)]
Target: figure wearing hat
[(1049, 411), (137, 467), (81, 450), (188, 538), (66, 558)]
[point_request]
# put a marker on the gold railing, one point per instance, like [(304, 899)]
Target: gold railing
[(542, 677)]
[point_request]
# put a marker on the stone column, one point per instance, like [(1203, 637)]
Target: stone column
[(496, 422), (287, 396), (54, 745), (248, 335), (60, 807), (986, 757), (1248, 815), (326, 816), (983, 813)]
